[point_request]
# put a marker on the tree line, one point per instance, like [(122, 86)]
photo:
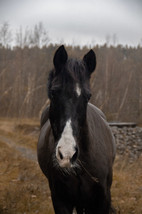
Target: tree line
[(116, 84)]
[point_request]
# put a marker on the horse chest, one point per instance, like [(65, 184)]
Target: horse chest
[(78, 188)]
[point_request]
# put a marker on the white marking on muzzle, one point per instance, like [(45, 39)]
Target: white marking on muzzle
[(66, 146), (78, 90)]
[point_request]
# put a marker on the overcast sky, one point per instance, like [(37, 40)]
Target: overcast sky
[(84, 22)]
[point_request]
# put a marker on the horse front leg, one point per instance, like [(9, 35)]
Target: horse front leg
[(61, 206), (100, 208), (100, 204)]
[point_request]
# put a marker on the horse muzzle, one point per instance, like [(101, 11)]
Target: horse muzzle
[(66, 159)]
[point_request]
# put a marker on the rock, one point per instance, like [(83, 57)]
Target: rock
[(128, 141)]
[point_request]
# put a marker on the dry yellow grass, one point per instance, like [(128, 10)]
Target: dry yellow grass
[(23, 131), (24, 189), (127, 186)]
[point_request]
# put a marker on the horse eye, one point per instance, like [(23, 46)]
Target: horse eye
[(89, 96), (54, 93)]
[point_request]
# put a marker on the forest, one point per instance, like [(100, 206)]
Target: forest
[(116, 84)]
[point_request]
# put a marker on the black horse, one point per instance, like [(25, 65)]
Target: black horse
[(76, 148)]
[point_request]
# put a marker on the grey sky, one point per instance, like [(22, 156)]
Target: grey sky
[(78, 21)]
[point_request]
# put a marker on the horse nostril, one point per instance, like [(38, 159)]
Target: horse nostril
[(60, 155), (74, 157)]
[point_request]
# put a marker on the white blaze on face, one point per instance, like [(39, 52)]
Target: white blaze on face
[(66, 146), (78, 90)]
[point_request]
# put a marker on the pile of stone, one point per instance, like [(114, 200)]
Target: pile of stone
[(128, 141)]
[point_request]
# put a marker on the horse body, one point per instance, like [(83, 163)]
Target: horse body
[(80, 174)]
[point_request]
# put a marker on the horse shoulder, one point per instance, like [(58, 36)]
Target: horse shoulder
[(100, 132)]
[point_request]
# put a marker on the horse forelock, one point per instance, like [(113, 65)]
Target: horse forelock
[(73, 72), (76, 69)]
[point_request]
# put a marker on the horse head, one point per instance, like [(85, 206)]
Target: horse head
[(69, 93)]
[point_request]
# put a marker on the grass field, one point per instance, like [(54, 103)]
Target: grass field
[(24, 189)]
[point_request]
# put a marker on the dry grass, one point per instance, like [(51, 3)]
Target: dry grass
[(24, 190), (24, 132), (127, 186)]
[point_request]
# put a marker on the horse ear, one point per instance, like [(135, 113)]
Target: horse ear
[(60, 58), (90, 61)]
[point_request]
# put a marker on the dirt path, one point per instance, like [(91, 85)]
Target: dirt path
[(25, 152)]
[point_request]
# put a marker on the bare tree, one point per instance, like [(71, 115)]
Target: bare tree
[(39, 36), (23, 37), (5, 34)]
